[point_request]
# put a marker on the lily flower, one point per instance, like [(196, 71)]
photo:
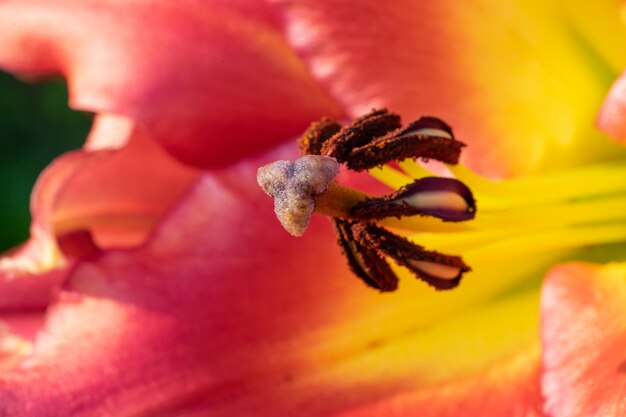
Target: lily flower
[(157, 282)]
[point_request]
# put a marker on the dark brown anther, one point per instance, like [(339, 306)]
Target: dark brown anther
[(310, 143), (427, 138), (364, 130), (366, 263), (445, 198), (441, 271)]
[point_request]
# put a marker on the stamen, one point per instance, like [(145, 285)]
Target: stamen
[(307, 185), (444, 198), (438, 270)]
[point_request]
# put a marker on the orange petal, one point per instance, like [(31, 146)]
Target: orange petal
[(520, 82), (584, 334), (509, 389), (211, 81)]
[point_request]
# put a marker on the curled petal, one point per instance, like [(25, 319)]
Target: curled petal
[(85, 201), (29, 273), (120, 195), (584, 334), (198, 76)]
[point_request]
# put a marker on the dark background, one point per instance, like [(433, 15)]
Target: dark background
[(36, 125)]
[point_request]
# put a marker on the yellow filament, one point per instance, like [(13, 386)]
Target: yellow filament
[(413, 169), (390, 177), (550, 215), (585, 182), (552, 212), (569, 238)]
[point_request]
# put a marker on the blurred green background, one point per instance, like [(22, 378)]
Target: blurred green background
[(36, 126)]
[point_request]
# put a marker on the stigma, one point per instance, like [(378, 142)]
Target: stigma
[(295, 187)]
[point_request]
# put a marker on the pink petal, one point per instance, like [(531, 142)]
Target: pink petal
[(29, 290), (584, 334), (223, 313), (25, 324), (511, 78), (211, 81), (187, 322), (12, 347)]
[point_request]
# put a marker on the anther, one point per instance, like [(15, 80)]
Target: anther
[(363, 131), (311, 141), (426, 138), (438, 270), (365, 262), (444, 198)]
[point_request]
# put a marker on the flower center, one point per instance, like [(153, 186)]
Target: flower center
[(299, 188), (541, 215)]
